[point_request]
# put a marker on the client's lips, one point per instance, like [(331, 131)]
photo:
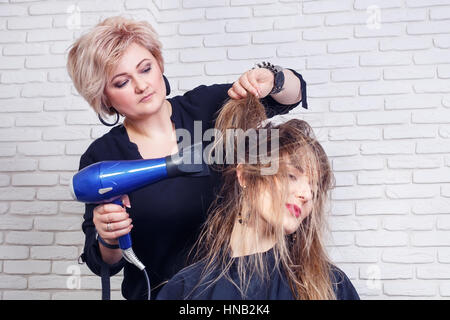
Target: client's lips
[(294, 209)]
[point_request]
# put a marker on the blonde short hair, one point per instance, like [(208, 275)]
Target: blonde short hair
[(92, 57)]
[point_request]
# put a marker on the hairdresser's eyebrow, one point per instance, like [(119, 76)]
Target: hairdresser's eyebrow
[(124, 73)]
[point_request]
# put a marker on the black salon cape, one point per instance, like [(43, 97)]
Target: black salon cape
[(167, 216), (185, 284)]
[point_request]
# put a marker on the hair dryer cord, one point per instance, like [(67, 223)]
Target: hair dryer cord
[(130, 256)]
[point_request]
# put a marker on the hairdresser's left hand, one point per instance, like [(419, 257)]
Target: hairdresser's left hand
[(258, 82)]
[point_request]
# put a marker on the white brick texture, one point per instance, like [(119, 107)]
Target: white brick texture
[(379, 101)]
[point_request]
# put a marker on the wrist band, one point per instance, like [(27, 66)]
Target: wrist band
[(278, 76), (109, 246)]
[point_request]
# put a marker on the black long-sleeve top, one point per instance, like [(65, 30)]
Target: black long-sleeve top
[(167, 216), (188, 284)]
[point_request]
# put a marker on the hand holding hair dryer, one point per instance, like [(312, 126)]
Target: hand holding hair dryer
[(107, 181)]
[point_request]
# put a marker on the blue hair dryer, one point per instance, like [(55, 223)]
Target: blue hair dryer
[(107, 181)]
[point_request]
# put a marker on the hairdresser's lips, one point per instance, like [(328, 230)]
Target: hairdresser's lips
[(294, 209), (146, 98)]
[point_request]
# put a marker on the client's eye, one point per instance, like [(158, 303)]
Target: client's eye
[(292, 177)]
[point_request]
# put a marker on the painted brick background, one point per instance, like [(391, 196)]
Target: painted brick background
[(379, 96)]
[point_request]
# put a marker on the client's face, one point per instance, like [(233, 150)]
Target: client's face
[(297, 207)]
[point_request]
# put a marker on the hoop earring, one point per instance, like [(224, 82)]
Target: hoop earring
[(166, 82), (110, 124)]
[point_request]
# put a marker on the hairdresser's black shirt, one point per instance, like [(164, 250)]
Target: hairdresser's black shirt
[(185, 284), (167, 215)]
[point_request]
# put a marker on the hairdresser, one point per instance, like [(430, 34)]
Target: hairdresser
[(118, 68)]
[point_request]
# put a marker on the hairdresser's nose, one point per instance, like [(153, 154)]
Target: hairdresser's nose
[(140, 85)]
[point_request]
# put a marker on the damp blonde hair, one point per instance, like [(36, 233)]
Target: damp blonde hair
[(301, 256), (93, 56)]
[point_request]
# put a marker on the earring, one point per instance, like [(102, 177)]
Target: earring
[(292, 238), (166, 82), (240, 220), (110, 124)]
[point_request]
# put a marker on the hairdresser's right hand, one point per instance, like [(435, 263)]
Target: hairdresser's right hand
[(112, 221)]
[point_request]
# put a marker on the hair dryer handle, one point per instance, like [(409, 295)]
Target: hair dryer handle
[(125, 240)]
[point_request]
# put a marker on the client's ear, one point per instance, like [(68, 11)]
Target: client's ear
[(239, 170)]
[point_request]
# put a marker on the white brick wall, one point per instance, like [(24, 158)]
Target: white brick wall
[(379, 101)]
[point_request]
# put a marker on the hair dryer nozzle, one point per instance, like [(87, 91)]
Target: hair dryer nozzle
[(187, 161)]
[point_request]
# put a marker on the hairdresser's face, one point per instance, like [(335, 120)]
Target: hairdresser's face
[(136, 87), (298, 205)]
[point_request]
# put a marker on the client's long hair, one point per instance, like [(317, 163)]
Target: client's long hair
[(301, 256)]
